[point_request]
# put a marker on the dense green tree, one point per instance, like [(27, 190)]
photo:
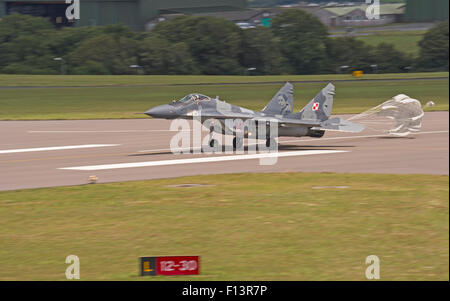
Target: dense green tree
[(114, 53), (159, 56), (297, 43), (302, 41), (433, 53), (261, 50), (348, 51), (66, 39), (23, 47), (390, 60), (214, 43), (16, 25)]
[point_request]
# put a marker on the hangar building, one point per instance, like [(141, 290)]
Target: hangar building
[(426, 11)]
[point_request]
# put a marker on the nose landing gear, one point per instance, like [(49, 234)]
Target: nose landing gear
[(213, 143)]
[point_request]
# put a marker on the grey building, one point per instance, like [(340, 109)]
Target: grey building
[(355, 15), (426, 11)]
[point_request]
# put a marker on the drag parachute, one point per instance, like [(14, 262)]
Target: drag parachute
[(405, 114)]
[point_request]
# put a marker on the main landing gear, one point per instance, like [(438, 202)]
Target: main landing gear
[(238, 143), (271, 143), (213, 143)]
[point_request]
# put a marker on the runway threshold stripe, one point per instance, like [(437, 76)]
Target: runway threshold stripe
[(52, 148), (203, 160)]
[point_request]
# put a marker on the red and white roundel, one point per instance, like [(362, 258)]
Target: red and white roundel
[(315, 106)]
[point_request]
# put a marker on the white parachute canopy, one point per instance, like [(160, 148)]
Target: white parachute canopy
[(403, 113)]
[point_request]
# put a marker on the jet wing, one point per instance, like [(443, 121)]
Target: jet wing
[(282, 121), (286, 122), (333, 124), (230, 115), (340, 125)]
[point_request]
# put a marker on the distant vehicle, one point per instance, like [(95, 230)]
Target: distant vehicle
[(313, 120), (245, 25)]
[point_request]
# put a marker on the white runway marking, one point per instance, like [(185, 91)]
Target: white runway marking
[(302, 140), (52, 148), (108, 131), (202, 160), (361, 136)]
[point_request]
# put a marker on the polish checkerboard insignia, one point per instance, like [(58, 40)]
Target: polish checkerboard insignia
[(315, 106)]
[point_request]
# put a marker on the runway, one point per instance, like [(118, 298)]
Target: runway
[(57, 153)]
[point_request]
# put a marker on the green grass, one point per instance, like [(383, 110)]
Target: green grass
[(133, 80), (122, 100), (244, 227), (405, 41)]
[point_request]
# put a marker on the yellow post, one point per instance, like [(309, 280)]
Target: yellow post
[(357, 73)]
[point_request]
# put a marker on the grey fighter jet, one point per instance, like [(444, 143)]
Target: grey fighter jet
[(313, 120)]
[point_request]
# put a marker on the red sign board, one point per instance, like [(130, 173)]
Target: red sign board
[(177, 265)]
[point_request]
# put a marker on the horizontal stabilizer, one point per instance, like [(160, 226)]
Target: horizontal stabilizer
[(339, 124)]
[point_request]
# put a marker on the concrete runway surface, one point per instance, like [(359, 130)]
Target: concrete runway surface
[(56, 153)]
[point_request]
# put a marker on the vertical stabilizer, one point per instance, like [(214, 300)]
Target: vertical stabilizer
[(282, 103), (320, 107)]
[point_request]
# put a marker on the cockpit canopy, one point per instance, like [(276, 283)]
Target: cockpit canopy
[(194, 97)]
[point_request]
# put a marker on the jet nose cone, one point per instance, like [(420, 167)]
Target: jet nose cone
[(162, 111)]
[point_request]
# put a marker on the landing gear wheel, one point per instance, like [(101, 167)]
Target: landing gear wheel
[(213, 143), (238, 143), (271, 143)]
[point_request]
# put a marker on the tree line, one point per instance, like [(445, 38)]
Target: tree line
[(296, 43)]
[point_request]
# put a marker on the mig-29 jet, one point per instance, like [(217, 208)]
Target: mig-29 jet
[(313, 120)]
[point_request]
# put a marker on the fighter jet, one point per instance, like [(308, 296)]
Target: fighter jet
[(313, 120)]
